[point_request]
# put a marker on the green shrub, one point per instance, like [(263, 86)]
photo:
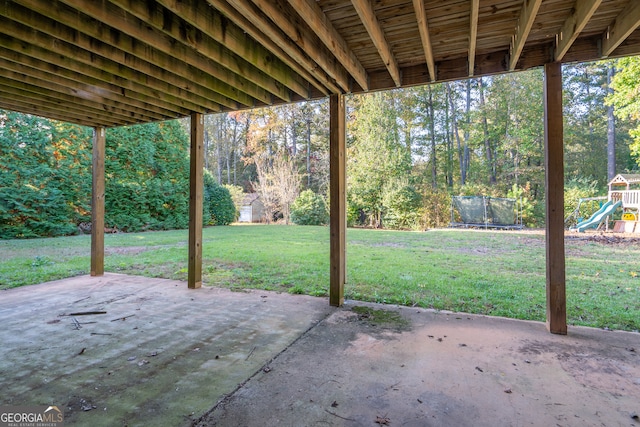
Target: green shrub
[(309, 209), (218, 205), (401, 202)]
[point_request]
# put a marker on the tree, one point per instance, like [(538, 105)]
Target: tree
[(375, 155), (625, 98), (278, 184), (309, 209)]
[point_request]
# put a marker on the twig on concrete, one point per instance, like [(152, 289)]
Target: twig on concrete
[(250, 353), (123, 318), (86, 313), (336, 415)]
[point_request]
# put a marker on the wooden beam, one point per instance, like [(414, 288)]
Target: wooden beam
[(574, 25), (124, 57), (423, 26), (37, 109), (95, 37), (97, 203), (554, 187), (294, 57), (368, 17), (36, 45), (215, 25), (264, 13), (220, 43), (196, 188), (177, 54), (313, 15), (473, 35), (525, 22), (625, 24), (41, 102), (79, 93), (338, 202)]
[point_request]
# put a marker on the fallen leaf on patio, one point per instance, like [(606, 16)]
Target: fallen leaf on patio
[(508, 391), (143, 362), (334, 404), (479, 369), (383, 421)]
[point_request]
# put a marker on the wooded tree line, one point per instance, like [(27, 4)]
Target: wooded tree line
[(408, 151)]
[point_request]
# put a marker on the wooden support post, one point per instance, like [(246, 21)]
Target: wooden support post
[(196, 189), (554, 185), (97, 203), (338, 201)]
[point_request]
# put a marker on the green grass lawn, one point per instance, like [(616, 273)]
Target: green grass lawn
[(500, 273)]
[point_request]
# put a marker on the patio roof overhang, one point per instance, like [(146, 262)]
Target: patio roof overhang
[(118, 62)]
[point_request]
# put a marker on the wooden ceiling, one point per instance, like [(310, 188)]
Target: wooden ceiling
[(116, 62)]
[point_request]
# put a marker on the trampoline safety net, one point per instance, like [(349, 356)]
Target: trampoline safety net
[(485, 211)]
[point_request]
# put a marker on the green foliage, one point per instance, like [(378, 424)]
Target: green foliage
[(625, 98), (527, 205), (401, 202), (147, 177), (38, 194), (309, 209), (376, 156), (237, 195), (45, 185), (218, 205), (435, 210), (576, 189)]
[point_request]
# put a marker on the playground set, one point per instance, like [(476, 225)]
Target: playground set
[(495, 212), (624, 193)]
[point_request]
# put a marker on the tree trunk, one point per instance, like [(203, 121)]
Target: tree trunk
[(434, 168), (485, 131), (219, 150), (611, 130), (308, 152)]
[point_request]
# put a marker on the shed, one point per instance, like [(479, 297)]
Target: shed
[(252, 209)]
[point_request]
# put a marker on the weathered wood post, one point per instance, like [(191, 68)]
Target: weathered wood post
[(97, 202), (338, 199), (554, 185), (196, 189)]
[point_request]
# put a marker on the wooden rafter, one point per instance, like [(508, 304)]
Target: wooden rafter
[(294, 58), (368, 17), (54, 84), (423, 26), (260, 12), (318, 22), (574, 25), (525, 22), (92, 67), (626, 23), (174, 55), (132, 54), (219, 40), (473, 35)]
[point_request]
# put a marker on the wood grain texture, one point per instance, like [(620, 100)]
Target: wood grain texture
[(97, 202), (554, 187)]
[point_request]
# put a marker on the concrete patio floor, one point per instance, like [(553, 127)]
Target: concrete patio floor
[(158, 354)]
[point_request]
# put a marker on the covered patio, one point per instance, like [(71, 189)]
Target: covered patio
[(125, 350), (120, 62), (157, 352)]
